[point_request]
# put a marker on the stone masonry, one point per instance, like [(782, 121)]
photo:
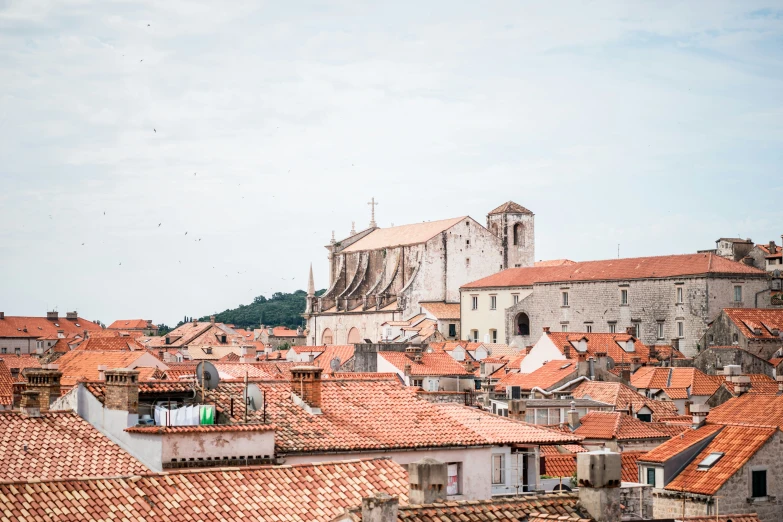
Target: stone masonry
[(122, 390)]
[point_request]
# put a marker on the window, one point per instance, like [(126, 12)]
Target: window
[(498, 471), (517, 265), (516, 298), (467, 243), (589, 328), (493, 334), (388, 333), (623, 297), (737, 294), (453, 483), (493, 302), (679, 294), (660, 330), (735, 339), (651, 476), (563, 327), (467, 262), (680, 329), (4, 350), (644, 417), (474, 335), (452, 330), (637, 329), (612, 327), (565, 298), (709, 461), (474, 302), (759, 483), (519, 235), (417, 382), (17, 350)]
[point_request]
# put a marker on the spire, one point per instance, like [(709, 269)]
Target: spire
[(353, 228), (310, 283), (373, 204)]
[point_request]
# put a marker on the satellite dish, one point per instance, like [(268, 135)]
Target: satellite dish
[(253, 397), (334, 364), (209, 373)]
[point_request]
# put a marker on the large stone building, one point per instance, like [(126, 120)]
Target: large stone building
[(660, 298), (20, 335), (383, 274)]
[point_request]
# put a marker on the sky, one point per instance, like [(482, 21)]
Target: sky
[(163, 159)]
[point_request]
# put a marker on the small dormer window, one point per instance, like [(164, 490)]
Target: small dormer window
[(709, 461)]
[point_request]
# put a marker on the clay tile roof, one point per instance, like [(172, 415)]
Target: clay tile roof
[(6, 385), (98, 390), (107, 344), (15, 326), (441, 310), (548, 375), (765, 319), (749, 409), (283, 331), (343, 353), (509, 207), (83, 364), (131, 324), (608, 343), (623, 397), (558, 465), (617, 426), (554, 262), (306, 492), (22, 362), (737, 443), (213, 428), (752, 517), (680, 443), (694, 380), (357, 415), (617, 269), (628, 459), (59, 445), (403, 235), (500, 430), (435, 363)]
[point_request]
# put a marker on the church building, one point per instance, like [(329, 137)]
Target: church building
[(383, 274)]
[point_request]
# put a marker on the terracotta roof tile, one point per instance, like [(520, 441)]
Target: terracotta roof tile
[(694, 380), (59, 445), (435, 363), (509, 207), (131, 324), (737, 443), (615, 426), (107, 344), (21, 362), (560, 465), (765, 319), (554, 262), (97, 388), (749, 410), (614, 269), (6, 385), (548, 375), (14, 326), (83, 364), (608, 343), (680, 443), (630, 472), (402, 235), (307, 492), (283, 331), (623, 397), (213, 428), (343, 353), (442, 310)]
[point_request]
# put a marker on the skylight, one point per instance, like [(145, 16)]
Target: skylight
[(565, 366), (709, 461)]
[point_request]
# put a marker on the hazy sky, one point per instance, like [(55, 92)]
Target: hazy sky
[(656, 125)]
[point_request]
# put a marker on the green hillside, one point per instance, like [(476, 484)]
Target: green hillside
[(279, 310)]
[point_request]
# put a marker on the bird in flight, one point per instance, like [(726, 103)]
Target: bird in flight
[(159, 224), (141, 60), (155, 131), (148, 25), (186, 233)]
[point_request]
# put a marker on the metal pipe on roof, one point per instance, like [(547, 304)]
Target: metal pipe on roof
[(569, 383)]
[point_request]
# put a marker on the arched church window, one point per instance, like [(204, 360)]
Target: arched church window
[(523, 324), (519, 235)]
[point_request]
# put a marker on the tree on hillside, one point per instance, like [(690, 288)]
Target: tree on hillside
[(281, 309)]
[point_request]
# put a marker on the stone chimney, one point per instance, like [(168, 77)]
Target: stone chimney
[(699, 414), (122, 390), (427, 479), (2, 315), (602, 360), (73, 316), (211, 319), (52, 315), (469, 366), (102, 372), (270, 331), (414, 353), (31, 405), (772, 247), (625, 375), (46, 381), (306, 387), (598, 474), (741, 384), (567, 351), (573, 417), (407, 369), (636, 363), (517, 408), (247, 354), (381, 507)]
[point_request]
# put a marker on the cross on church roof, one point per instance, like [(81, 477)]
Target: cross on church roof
[(373, 204)]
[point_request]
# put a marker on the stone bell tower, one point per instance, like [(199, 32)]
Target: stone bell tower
[(515, 226)]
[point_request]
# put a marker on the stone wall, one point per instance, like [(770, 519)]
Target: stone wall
[(722, 332), (637, 502), (365, 356), (712, 361), (465, 398)]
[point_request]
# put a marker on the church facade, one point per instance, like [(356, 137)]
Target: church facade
[(383, 274)]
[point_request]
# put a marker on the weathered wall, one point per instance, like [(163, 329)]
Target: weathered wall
[(712, 361), (233, 444), (365, 356)]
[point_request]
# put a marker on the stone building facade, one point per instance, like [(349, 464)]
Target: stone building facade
[(661, 298), (383, 274), (755, 330), (713, 359)]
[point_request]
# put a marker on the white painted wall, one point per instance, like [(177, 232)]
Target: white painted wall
[(234, 444), (544, 350), (485, 319)]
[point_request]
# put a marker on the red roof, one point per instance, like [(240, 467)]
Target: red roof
[(737, 443), (21, 362), (678, 444), (305, 492), (618, 269), (442, 310), (623, 397), (611, 344), (15, 326), (749, 319), (282, 331), (342, 352), (548, 375), (435, 363), (749, 409), (131, 324), (615, 426), (675, 380), (6, 385), (108, 344), (59, 445), (83, 364)]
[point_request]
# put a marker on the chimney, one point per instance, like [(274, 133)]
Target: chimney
[(591, 368), (779, 378), (122, 390), (46, 381), (469, 366), (14, 373), (407, 369), (72, 316), (102, 372), (598, 474), (247, 354), (268, 349), (602, 359), (636, 363), (427, 479), (772, 247), (517, 408), (149, 322), (299, 331), (270, 331), (625, 375), (31, 405), (306, 387), (52, 315), (741, 384), (381, 507), (573, 417), (567, 351), (699, 414), (2, 315), (212, 319)]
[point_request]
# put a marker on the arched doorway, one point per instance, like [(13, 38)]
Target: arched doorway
[(354, 337), (522, 322), (327, 337), (519, 234)]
